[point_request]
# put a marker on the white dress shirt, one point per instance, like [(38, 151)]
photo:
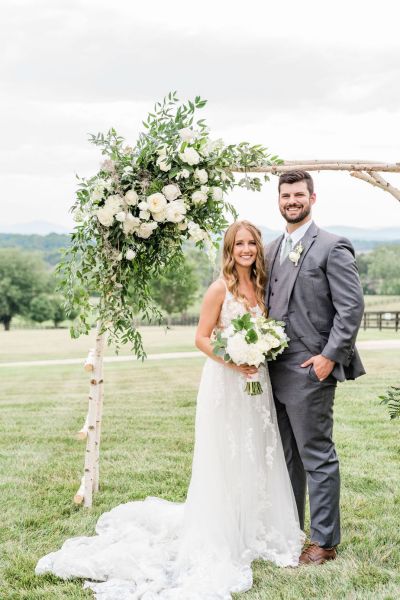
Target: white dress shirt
[(296, 235)]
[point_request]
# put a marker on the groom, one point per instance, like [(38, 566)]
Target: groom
[(315, 289)]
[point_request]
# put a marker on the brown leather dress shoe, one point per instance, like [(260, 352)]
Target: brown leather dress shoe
[(315, 555)]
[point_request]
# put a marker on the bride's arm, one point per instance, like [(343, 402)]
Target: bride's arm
[(209, 315)]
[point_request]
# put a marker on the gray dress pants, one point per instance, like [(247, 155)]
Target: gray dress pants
[(305, 416)]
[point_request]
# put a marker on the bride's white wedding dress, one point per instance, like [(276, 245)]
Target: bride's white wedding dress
[(240, 506)]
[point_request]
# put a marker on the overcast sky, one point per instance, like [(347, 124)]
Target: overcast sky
[(310, 79)]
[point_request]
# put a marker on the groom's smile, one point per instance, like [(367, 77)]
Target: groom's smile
[(295, 201)]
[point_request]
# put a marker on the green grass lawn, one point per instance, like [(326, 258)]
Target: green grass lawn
[(146, 450), (41, 344)]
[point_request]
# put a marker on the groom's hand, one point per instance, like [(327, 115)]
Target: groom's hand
[(322, 366)]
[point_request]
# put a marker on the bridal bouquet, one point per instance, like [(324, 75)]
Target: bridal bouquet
[(251, 340)]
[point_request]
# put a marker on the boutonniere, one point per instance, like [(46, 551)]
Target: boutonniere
[(295, 254)]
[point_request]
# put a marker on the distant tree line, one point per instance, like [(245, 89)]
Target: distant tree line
[(380, 270)]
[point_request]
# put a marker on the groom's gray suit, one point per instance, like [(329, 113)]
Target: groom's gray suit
[(321, 302)]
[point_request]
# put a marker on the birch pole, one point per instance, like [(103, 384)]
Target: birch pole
[(92, 427), (362, 169)]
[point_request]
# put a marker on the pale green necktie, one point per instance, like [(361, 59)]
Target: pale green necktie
[(286, 248)]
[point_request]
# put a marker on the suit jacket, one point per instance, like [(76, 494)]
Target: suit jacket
[(325, 298)]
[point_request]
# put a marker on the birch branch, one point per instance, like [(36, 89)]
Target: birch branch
[(378, 181), (78, 498), (82, 433), (321, 165)]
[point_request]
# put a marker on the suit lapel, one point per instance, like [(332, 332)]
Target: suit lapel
[(272, 254), (307, 241)]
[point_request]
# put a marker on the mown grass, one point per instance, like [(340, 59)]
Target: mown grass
[(146, 450), (52, 344)]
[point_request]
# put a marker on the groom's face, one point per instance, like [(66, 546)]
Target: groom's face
[(295, 201)]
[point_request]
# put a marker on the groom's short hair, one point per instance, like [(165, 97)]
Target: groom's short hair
[(294, 177)]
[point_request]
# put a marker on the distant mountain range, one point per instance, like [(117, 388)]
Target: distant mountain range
[(364, 239)]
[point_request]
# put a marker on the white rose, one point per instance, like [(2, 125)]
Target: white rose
[(156, 202), (201, 175), (130, 255), (195, 232), (144, 215), (160, 216), (143, 205), (130, 224), (205, 189), (114, 203), (217, 194), (162, 164), (146, 229), (236, 347), (131, 198), (199, 197), (105, 216), (121, 216), (184, 174), (186, 134), (171, 191), (175, 212), (190, 156)]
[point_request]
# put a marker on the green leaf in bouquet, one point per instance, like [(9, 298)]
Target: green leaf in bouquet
[(251, 336)]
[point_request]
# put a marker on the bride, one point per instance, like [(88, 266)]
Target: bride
[(240, 505)]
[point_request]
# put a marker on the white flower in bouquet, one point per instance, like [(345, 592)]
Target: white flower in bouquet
[(186, 134), (144, 215), (171, 192), (130, 254), (105, 216), (97, 193), (199, 197), (175, 211), (237, 348), (156, 203), (146, 229), (121, 216), (130, 224), (205, 189), (183, 226), (114, 203), (162, 151), (184, 174), (131, 198), (201, 175), (162, 163), (217, 194), (161, 216), (190, 156)]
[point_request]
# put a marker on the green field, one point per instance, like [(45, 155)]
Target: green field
[(146, 450)]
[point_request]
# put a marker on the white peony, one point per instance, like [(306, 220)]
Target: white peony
[(114, 203), (131, 198), (186, 134), (121, 216), (175, 212), (130, 224), (130, 255), (171, 192), (156, 202), (146, 229), (160, 216), (105, 216), (217, 194), (236, 347), (162, 164), (199, 197), (184, 174), (190, 156), (201, 175)]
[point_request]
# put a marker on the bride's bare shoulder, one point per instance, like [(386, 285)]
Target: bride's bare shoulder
[(216, 291)]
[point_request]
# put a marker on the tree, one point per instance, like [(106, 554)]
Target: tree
[(22, 277), (175, 289), (384, 269), (49, 307)]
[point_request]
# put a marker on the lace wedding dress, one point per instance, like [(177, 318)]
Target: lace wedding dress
[(240, 506)]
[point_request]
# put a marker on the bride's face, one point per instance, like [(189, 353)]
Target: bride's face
[(244, 248)]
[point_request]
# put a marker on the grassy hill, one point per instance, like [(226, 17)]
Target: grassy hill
[(49, 245)]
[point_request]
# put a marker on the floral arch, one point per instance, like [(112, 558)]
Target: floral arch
[(133, 217)]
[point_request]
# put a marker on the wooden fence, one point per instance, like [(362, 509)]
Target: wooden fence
[(381, 320)]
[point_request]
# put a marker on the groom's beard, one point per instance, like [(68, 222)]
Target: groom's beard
[(301, 215)]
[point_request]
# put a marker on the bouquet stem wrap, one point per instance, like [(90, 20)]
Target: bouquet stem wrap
[(253, 385)]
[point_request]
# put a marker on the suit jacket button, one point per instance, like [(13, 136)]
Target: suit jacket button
[(272, 293)]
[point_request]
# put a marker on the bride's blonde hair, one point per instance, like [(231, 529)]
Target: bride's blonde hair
[(258, 269)]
